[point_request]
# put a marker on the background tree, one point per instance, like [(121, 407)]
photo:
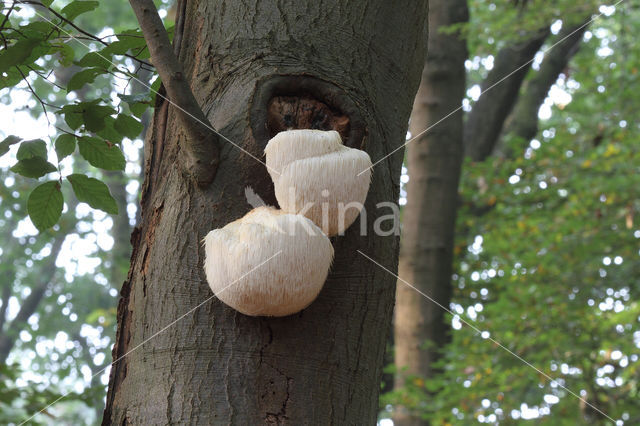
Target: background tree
[(479, 280), (434, 159)]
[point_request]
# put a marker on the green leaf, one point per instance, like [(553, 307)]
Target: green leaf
[(32, 149), (35, 167), (128, 126), (109, 133), (17, 54), (93, 192), (65, 145), (11, 78), (127, 40), (91, 114), (73, 120), (100, 153), (155, 88), (138, 104), (66, 54), (37, 30), (45, 205), (95, 59), (72, 115), (75, 8), (138, 108), (83, 77), (95, 115), (7, 142)]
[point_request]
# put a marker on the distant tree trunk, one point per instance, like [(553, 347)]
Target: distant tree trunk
[(28, 306), (434, 161), (8, 271), (499, 94), (523, 121), (7, 285), (216, 366)]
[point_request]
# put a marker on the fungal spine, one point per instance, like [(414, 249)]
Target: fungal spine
[(299, 254), (314, 174)]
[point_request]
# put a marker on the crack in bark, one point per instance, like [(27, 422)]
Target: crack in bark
[(156, 150), (150, 237), (169, 401), (280, 417), (268, 343), (178, 33)]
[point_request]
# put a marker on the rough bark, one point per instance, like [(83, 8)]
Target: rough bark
[(523, 121), (216, 366), (499, 93), (434, 162)]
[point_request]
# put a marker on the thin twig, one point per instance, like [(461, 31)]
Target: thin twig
[(33, 92), (6, 17), (121, 35), (46, 77), (67, 132)]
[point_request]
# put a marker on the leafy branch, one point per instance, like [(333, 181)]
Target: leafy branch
[(87, 35), (95, 128)]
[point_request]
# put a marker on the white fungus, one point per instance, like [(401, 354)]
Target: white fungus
[(315, 175), (268, 263)]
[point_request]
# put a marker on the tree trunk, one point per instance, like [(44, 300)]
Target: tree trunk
[(434, 162), (216, 366), (523, 121), (499, 93)]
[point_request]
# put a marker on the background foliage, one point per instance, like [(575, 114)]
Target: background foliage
[(548, 239), (72, 117)]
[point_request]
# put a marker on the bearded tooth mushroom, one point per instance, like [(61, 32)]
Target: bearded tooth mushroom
[(315, 175), (267, 263)]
